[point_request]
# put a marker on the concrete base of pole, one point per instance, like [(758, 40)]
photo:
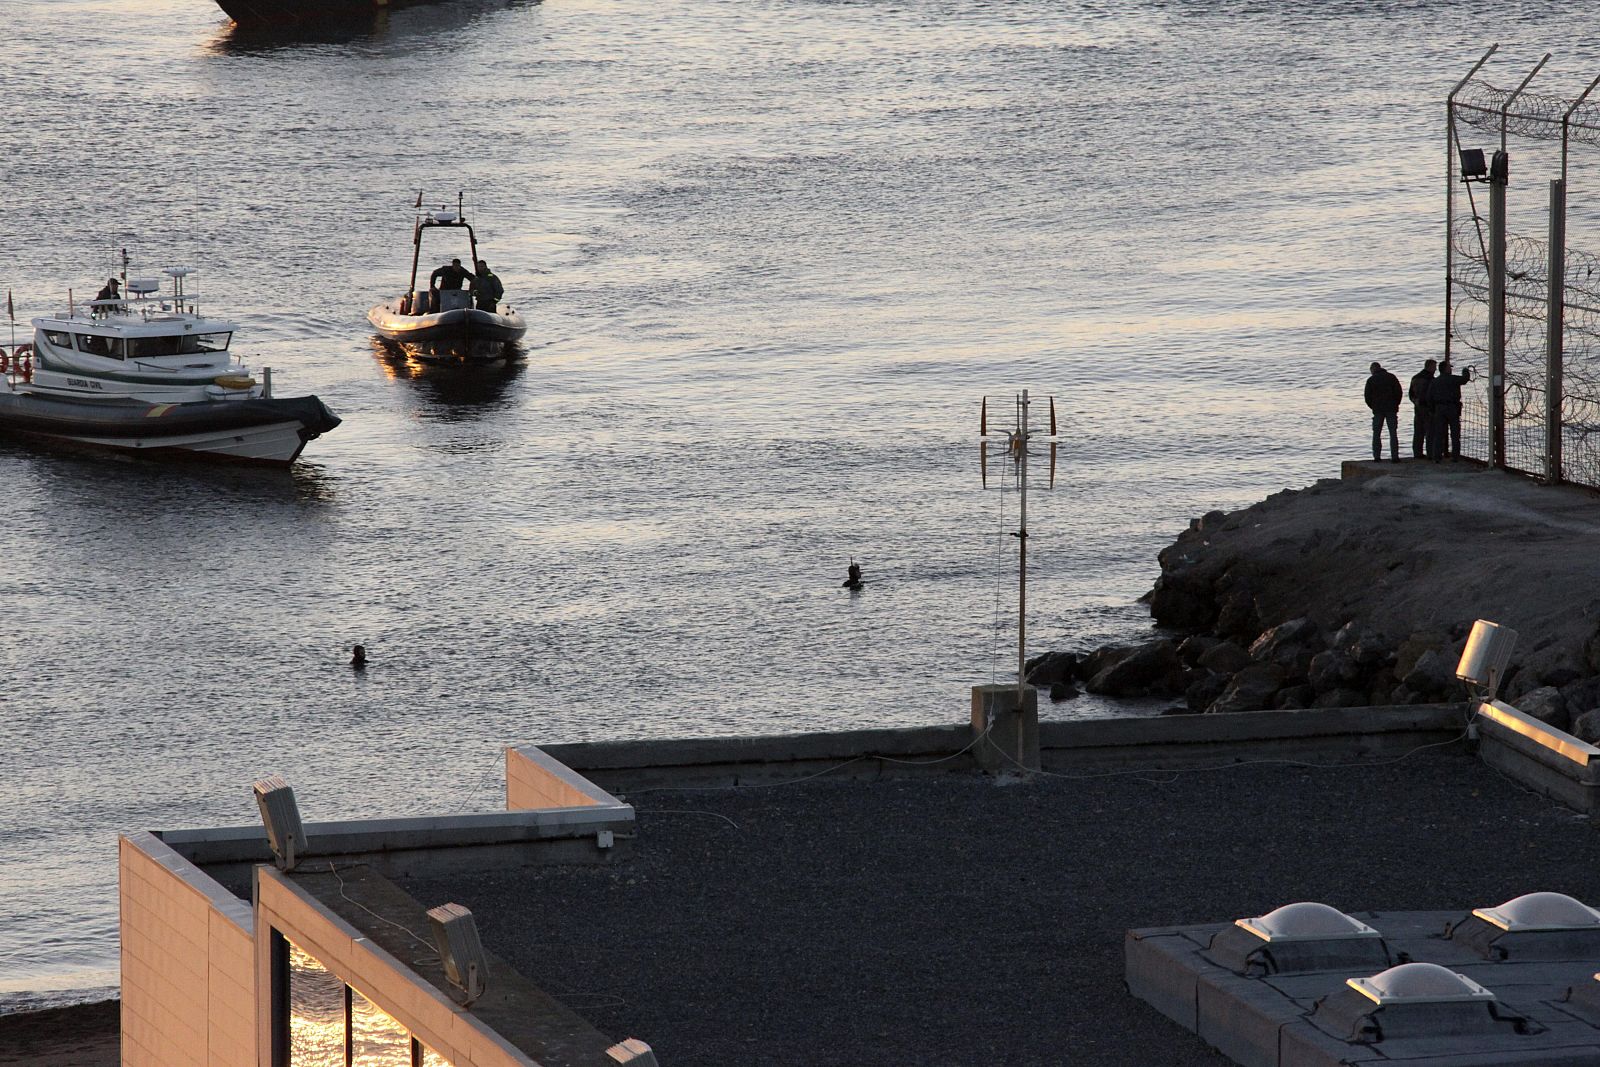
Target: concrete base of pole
[(1013, 741)]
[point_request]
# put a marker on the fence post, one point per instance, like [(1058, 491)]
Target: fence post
[(1554, 337), (1498, 176)]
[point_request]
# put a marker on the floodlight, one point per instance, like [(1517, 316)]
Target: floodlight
[(1500, 168), (281, 816), (1484, 659), (633, 1051), (455, 934), (1473, 166)]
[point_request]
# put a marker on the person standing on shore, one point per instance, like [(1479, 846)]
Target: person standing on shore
[(1444, 396), (1383, 396), (1421, 413)]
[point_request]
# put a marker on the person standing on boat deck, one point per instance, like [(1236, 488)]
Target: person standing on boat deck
[(109, 291), (488, 288), (449, 277), (1421, 412), (1444, 395), (1383, 397)]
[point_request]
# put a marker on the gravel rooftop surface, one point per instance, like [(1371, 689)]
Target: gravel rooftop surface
[(965, 920)]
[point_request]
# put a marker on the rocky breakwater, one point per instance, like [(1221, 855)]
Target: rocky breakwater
[(1361, 592)]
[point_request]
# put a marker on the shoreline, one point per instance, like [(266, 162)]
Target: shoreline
[(77, 1035)]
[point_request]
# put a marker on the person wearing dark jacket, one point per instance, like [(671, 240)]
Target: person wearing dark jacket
[(1444, 396), (487, 288), (1383, 397), (449, 276), (1421, 413)]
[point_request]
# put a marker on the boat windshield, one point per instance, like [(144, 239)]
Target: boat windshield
[(179, 345)]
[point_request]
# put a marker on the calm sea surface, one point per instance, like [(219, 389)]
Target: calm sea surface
[(772, 255)]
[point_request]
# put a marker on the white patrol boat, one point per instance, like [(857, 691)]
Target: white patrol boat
[(143, 371)]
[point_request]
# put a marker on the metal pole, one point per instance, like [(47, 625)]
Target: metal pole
[(1497, 316), (1450, 147), (1022, 557), (1554, 326), (1505, 108), (1566, 123)]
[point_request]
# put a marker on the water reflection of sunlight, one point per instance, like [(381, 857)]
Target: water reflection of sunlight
[(326, 1018)]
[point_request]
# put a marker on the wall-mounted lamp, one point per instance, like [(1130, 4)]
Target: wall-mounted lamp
[(1486, 656), (455, 935), (281, 816)]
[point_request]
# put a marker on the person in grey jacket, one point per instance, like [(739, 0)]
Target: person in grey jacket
[(1444, 396), (1383, 396)]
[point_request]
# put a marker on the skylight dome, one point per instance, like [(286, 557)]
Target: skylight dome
[(1541, 911), (1419, 983), (1306, 921)]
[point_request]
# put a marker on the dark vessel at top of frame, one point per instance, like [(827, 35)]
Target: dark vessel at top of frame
[(293, 12)]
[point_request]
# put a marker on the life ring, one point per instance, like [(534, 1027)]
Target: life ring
[(5, 361)]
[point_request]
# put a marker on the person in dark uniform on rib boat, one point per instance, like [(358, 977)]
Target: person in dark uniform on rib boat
[(488, 288), (452, 276)]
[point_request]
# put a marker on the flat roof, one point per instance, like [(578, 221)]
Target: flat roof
[(967, 919)]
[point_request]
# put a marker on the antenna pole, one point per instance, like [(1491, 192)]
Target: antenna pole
[(1022, 550)]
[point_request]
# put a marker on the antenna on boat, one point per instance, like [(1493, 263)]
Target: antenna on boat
[(1018, 436)]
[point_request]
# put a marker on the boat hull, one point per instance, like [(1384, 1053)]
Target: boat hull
[(265, 431), (292, 12), (464, 326)]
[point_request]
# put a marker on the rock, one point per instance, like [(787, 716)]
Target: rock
[(1094, 662), (1178, 709), (1225, 657), (1586, 727), (1341, 698), (1433, 674), (1331, 670), (1591, 651), (1295, 632), (1195, 646), (1581, 696), (1238, 616), (1183, 600), (1294, 697), (1347, 636), (1204, 691), (1052, 668), (1372, 651), (1412, 648), (1560, 676), (1251, 689), (1401, 695), (1547, 705), (1212, 520), (1149, 670), (1296, 664)]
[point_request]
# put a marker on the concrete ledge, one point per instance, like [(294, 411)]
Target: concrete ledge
[(534, 781), (722, 761), (1549, 761), (1184, 740), (1166, 740)]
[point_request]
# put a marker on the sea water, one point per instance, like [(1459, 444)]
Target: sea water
[(773, 254)]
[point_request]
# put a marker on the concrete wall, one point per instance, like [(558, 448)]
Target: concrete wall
[(187, 963), (431, 1016), (534, 781), (1154, 741), (1547, 760)]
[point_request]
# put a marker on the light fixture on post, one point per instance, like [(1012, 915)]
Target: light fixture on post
[(1486, 656), (1473, 166), (281, 816), (455, 935)]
